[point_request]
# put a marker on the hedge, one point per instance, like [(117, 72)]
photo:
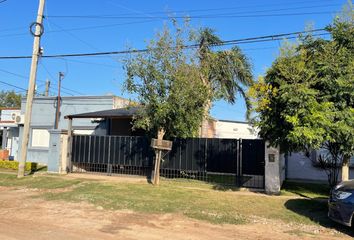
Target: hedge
[(14, 165)]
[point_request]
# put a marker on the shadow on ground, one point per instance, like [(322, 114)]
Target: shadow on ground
[(316, 210)]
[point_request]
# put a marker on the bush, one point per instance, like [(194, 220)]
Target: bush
[(30, 166)]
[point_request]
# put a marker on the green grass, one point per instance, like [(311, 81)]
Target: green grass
[(190, 198), (309, 190), (11, 180)]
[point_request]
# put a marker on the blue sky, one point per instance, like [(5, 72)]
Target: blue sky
[(134, 23)]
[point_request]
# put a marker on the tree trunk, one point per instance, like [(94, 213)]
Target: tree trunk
[(158, 153), (345, 169), (204, 128)]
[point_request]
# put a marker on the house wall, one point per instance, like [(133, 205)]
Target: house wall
[(44, 111), (300, 167), (234, 129), (10, 131)]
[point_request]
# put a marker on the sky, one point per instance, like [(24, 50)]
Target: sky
[(83, 26)]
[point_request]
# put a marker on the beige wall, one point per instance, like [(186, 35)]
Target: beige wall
[(226, 129)]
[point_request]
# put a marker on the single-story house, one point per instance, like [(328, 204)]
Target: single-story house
[(44, 118)]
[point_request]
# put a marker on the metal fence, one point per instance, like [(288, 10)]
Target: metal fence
[(231, 162)]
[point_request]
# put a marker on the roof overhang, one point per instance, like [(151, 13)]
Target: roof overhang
[(127, 112)]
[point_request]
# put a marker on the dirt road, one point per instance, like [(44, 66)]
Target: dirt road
[(22, 216)]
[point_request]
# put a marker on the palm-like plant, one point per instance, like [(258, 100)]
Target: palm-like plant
[(226, 73)]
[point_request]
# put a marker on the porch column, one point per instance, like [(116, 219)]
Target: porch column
[(69, 141), (4, 138)]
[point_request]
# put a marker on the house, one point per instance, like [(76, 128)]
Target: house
[(10, 131), (44, 118), (234, 129), (302, 167)]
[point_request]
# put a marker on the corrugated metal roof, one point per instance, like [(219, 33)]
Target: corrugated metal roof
[(111, 113)]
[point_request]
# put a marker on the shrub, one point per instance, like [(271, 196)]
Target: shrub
[(30, 166)]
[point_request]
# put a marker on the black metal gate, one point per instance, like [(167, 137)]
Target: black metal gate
[(236, 162)]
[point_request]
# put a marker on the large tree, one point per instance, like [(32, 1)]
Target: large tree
[(10, 99), (166, 81), (201, 76), (306, 99)]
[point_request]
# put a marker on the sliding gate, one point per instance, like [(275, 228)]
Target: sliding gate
[(235, 162)]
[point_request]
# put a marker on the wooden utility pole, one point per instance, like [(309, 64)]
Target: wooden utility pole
[(31, 87), (61, 75), (47, 86)]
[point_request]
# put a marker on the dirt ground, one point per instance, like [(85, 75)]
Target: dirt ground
[(25, 217)]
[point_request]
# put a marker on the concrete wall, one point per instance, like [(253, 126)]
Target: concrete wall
[(234, 129), (273, 170), (43, 117), (300, 167)]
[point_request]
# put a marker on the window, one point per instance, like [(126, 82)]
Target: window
[(40, 138)]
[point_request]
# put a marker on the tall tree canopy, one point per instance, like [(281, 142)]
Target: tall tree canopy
[(306, 99), (177, 85), (166, 80), (10, 99)]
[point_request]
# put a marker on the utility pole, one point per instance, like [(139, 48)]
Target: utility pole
[(31, 87), (47, 86), (61, 75)]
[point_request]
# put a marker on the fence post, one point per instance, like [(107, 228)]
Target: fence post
[(272, 170)]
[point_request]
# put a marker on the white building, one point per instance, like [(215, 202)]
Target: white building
[(10, 130), (234, 129)]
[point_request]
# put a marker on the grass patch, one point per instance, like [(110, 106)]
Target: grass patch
[(8, 180), (309, 190), (191, 198)]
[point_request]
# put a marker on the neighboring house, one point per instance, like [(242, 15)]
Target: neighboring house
[(9, 129), (44, 117), (302, 167), (234, 129)]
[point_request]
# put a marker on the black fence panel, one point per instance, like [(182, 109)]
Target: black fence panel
[(253, 156), (237, 162)]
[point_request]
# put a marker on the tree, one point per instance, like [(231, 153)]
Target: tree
[(166, 81), (225, 73), (306, 99), (9, 99)]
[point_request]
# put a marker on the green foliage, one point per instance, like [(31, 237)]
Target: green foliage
[(176, 85), (168, 87), (30, 166), (226, 73), (10, 99), (307, 97)]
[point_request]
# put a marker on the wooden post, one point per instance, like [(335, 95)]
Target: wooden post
[(158, 154)]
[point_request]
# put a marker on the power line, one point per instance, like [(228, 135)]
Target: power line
[(68, 89), (265, 38), (11, 85), (199, 16), (227, 8), (192, 17)]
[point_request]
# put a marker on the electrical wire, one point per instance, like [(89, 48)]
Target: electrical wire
[(11, 85), (65, 88), (192, 17), (265, 38), (228, 8)]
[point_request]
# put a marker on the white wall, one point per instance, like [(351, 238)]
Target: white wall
[(234, 129), (300, 167)]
